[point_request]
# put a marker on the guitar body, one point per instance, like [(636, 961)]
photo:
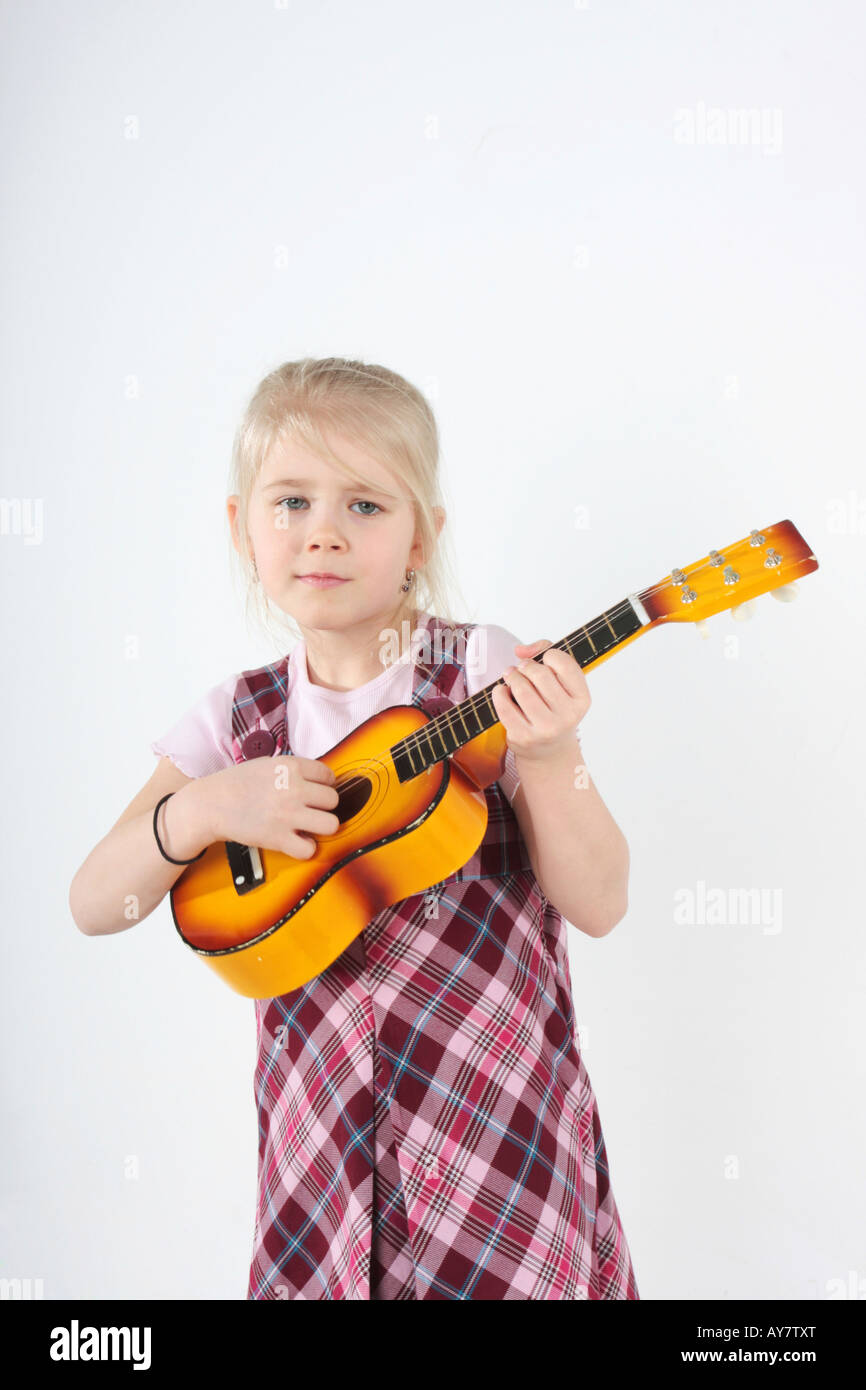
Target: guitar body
[(395, 839)]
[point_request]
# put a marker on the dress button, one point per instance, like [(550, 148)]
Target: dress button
[(259, 744)]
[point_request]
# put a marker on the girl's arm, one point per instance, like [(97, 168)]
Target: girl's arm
[(281, 804), (125, 877), (578, 853)]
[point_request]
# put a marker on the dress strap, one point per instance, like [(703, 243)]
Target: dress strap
[(259, 707)]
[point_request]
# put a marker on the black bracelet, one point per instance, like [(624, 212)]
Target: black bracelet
[(156, 837)]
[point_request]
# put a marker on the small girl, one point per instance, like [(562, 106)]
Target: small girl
[(427, 1128)]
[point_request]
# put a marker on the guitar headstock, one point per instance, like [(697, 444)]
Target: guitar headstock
[(764, 561)]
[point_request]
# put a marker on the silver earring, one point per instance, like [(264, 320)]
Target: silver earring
[(410, 575)]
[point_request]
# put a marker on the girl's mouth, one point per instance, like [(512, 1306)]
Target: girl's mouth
[(321, 581)]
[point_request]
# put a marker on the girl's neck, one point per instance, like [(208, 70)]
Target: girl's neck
[(351, 658)]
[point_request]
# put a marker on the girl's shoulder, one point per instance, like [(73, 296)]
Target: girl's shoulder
[(201, 741)]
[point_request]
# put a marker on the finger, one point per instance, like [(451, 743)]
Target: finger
[(314, 770), (510, 714), (568, 672), (550, 691), (538, 645), (321, 822), (533, 678), (321, 794), (525, 692), (527, 654)]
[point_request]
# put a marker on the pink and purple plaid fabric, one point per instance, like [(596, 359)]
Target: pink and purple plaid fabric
[(427, 1128)]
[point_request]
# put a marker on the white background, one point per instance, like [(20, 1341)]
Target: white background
[(492, 199)]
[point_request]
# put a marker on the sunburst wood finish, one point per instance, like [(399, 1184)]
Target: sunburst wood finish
[(396, 838), (412, 809)]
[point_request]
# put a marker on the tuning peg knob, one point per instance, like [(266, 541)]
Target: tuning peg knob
[(787, 593), (743, 611), (702, 628)]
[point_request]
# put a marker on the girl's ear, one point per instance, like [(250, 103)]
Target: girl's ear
[(232, 506), (417, 558)]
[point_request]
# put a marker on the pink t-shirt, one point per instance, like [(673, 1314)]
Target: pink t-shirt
[(318, 718)]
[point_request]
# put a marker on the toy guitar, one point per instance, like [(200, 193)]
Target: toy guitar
[(268, 923)]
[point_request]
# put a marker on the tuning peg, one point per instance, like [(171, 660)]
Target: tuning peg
[(744, 611), (787, 593), (702, 628)]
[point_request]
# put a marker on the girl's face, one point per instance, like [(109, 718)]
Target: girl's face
[(305, 517)]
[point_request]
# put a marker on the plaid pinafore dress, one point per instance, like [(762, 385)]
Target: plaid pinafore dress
[(427, 1128)]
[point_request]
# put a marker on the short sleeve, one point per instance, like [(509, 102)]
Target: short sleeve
[(200, 742), (489, 649)]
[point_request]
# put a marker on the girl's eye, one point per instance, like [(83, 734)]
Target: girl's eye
[(359, 503)]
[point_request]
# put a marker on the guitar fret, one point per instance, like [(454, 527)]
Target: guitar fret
[(433, 728), (462, 719), (409, 751)]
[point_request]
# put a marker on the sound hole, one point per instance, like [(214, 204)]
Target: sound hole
[(354, 794)]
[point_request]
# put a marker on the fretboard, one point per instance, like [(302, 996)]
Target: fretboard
[(446, 732)]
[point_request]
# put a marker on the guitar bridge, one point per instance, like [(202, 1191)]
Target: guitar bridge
[(245, 863)]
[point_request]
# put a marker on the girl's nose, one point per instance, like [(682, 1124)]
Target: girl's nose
[(324, 531)]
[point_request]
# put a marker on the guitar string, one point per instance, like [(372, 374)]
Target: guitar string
[(415, 741)]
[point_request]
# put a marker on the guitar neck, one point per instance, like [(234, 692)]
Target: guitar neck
[(445, 733)]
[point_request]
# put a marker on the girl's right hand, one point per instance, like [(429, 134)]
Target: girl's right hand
[(279, 802)]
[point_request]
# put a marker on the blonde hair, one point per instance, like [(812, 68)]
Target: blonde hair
[(383, 414)]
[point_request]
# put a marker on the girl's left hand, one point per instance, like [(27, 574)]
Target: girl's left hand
[(542, 702)]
